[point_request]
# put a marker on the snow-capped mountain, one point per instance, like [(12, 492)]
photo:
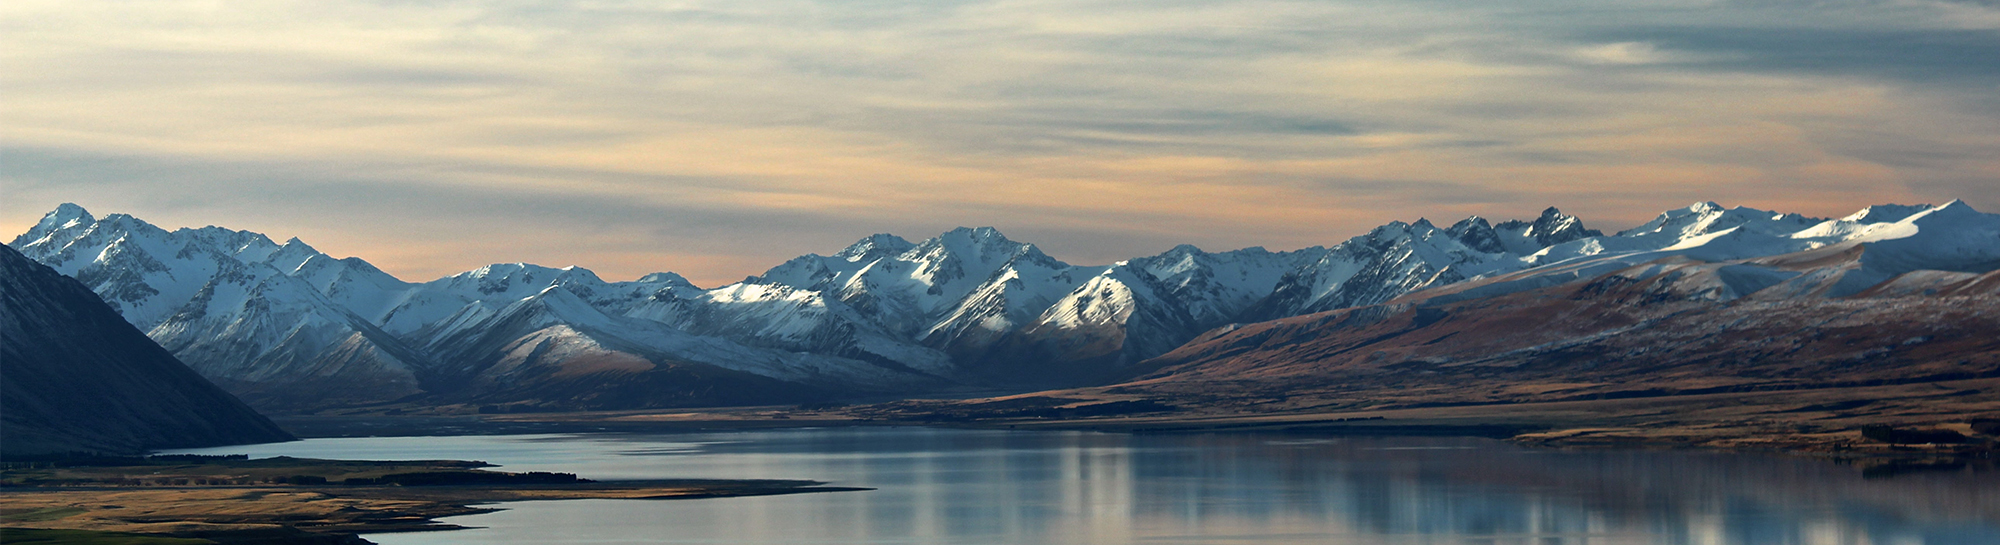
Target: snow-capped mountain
[(1129, 311), (220, 300), (1702, 299), (969, 306), (290, 328), (1007, 313), (1768, 249), (936, 290), (1399, 258), (556, 348)]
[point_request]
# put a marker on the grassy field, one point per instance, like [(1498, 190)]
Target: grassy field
[(221, 471), (35, 536)]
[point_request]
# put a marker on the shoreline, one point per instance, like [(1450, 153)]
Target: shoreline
[(1824, 422)]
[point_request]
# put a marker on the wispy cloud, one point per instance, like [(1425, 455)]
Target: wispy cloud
[(714, 138)]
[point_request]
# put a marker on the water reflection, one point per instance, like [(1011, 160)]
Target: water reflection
[(1003, 487)]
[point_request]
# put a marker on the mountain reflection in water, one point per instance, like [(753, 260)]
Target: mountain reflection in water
[(1015, 487)]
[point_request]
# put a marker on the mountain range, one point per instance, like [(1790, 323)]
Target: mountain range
[(291, 329), (1739, 302)]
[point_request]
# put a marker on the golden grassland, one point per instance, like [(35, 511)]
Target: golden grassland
[(221, 499)]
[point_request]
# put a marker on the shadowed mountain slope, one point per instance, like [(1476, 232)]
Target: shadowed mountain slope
[(75, 376)]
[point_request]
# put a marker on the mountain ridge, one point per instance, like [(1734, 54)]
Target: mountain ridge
[(882, 316), (1674, 320)]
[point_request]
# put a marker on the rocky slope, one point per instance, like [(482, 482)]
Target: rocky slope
[(1724, 301), (75, 376)]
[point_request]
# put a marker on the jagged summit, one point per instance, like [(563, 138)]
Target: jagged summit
[(66, 215), (668, 278), (65, 212), (1551, 228), (980, 243), (1956, 206), (1886, 213), (876, 245), (1475, 233), (1708, 217), (985, 233)]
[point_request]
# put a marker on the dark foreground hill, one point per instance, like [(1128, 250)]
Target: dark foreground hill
[(75, 376)]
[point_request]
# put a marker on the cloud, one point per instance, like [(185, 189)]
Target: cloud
[(1909, 56), (716, 138), (1619, 53)]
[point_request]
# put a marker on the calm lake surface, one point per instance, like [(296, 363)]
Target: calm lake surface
[(948, 486)]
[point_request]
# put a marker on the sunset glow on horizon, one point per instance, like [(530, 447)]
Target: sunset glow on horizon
[(717, 139)]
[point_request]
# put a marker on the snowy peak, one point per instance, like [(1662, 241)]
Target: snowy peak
[(1554, 227), (288, 256), (1399, 258), (295, 245), (1475, 233), (1393, 232), (1954, 209), (519, 279), (1209, 289), (65, 216), (978, 233), (1886, 213), (981, 247), (1839, 258), (875, 246), (667, 279), (1705, 218), (561, 304), (1949, 237)]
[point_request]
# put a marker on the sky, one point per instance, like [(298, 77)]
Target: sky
[(719, 138)]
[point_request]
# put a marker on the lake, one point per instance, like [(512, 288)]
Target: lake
[(967, 487)]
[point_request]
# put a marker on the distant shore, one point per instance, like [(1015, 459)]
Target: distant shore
[(1825, 422)]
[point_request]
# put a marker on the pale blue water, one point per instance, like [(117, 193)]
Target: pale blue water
[(1010, 487)]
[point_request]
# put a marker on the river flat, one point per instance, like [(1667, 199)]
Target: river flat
[(956, 486)]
